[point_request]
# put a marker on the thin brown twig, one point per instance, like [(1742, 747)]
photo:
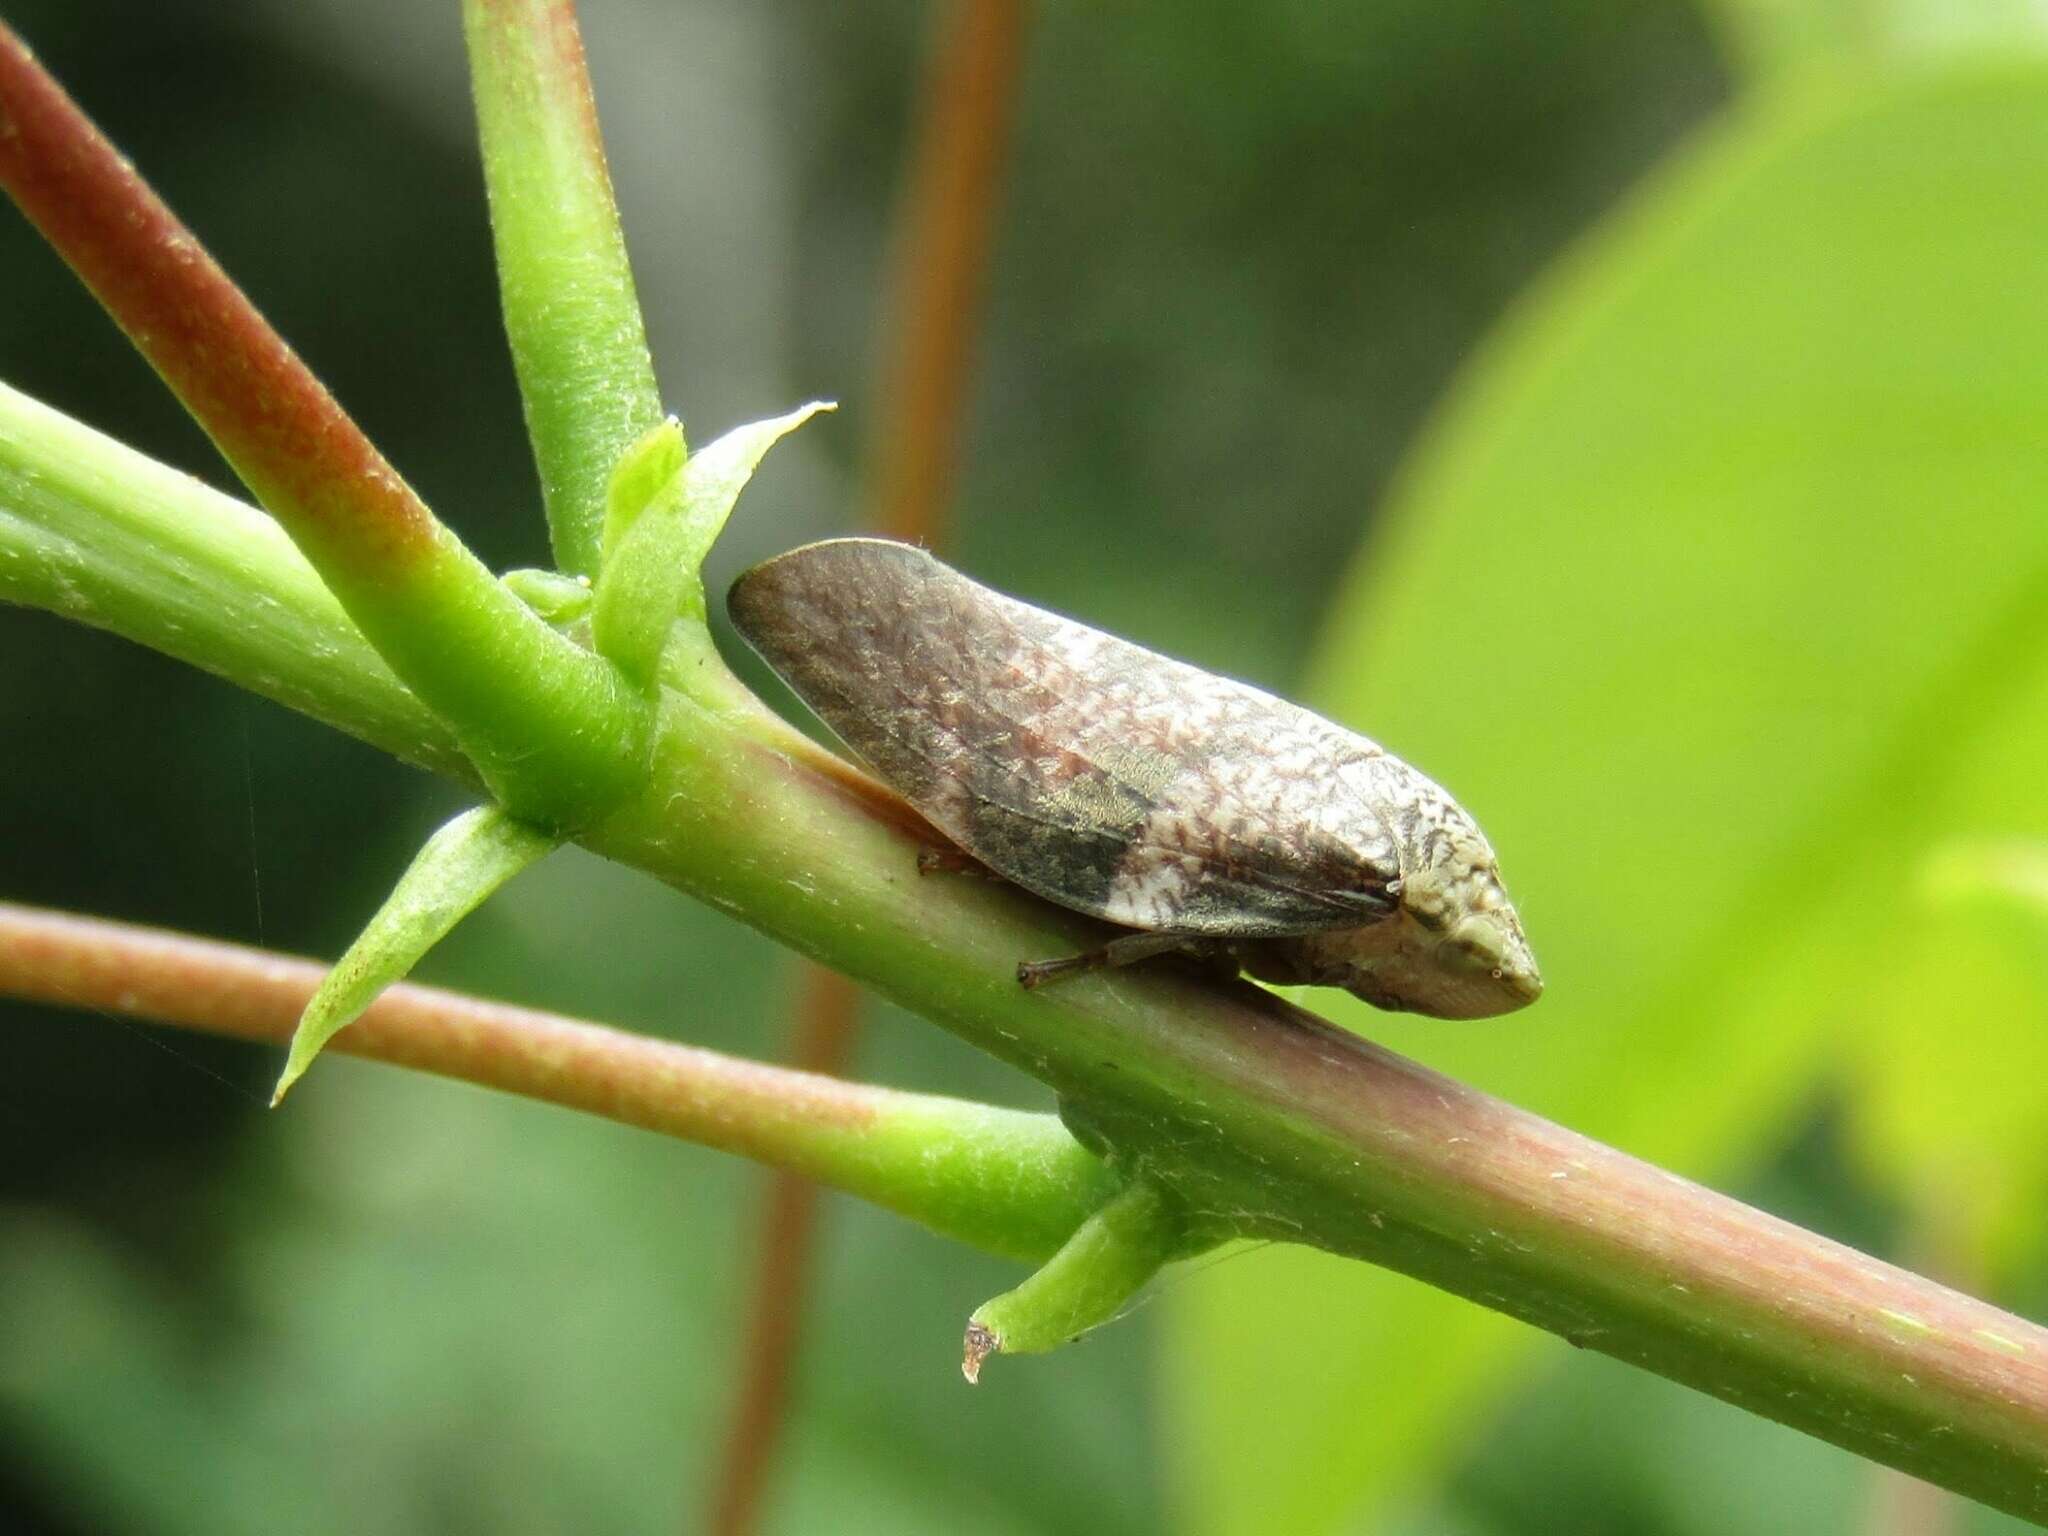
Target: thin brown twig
[(945, 231), (225, 989), (881, 1144), (946, 223), (1435, 1178), (825, 1019)]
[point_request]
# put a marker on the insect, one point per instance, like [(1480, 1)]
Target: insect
[(1209, 817)]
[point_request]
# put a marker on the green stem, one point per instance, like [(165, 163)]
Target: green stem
[(94, 531), (1012, 1183), (1258, 1118), (578, 342), (552, 728)]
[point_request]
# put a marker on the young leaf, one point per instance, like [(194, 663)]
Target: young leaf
[(644, 471), (1111, 1254), (658, 530), (460, 865), (641, 582), (556, 598), (713, 481)]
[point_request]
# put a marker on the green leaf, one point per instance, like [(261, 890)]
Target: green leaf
[(2012, 875), (1947, 1099), (458, 867), (1777, 37), (1720, 595), (663, 516)]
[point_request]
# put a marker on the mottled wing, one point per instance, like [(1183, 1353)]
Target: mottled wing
[(1092, 771)]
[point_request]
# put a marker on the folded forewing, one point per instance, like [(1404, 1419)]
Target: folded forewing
[(1099, 774)]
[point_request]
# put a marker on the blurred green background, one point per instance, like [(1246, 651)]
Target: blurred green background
[(1637, 415)]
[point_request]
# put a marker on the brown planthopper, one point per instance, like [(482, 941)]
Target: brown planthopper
[(1212, 818)]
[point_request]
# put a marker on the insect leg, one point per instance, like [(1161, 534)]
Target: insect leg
[(1127, 949), (950, 861)]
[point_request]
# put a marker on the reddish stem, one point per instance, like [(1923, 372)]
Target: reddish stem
[(551, 728), (946, 223), (287, 438), (826, 1021), (169, 978)]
